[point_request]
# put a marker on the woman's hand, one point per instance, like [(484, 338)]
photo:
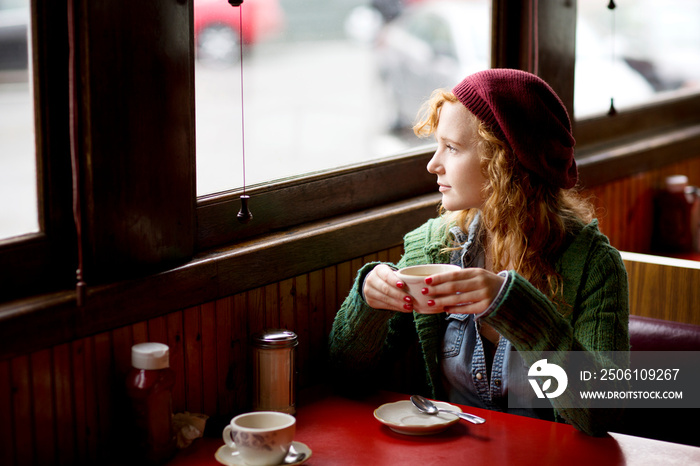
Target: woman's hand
[(466, 291), (382, 290)]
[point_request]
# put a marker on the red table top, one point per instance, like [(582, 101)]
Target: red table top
[(341, 431)]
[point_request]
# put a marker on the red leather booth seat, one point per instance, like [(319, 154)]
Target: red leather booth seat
[(648, 334), (672, 424)]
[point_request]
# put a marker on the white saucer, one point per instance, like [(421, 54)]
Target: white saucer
[(404, 418), (230, 457)]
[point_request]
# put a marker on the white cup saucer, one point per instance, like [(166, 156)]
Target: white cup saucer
[(404, 418), (230, 456)]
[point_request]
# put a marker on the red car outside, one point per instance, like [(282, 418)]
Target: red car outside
[(216, 27)]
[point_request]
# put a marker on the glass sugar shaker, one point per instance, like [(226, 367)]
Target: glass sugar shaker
[(274, 371)]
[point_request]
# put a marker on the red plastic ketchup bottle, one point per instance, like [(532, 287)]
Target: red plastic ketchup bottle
[(149, 385), (674, 217)]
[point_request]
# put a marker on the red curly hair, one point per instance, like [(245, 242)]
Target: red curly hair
[(525, 222)]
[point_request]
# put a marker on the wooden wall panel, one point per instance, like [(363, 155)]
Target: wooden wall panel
[(330, 305), (86, 401), (44, 414), (287, 293), (210, 373), (239, 358), (174, 339), (302, 327), (316, 325), (106, 405), (192, 344), (23, 429), (81, 404), (224, 350), (65, 420), (7, 448), (664, 288)]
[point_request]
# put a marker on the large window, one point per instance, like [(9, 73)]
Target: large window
[(37, 236), (326, 83), (641, 52), (18, 187)]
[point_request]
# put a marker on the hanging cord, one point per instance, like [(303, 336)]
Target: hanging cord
[(240, 43), (611, 6), (534, 46), (244, 215), (80, 285)]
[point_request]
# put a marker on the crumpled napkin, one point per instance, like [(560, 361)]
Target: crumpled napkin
[(188, 426)]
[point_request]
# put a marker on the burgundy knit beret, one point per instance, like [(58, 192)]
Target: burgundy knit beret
[(524, 112)]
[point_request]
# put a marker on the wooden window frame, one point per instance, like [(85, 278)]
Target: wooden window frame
[(45, 261)]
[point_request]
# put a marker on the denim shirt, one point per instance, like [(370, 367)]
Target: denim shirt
[(463, 362)]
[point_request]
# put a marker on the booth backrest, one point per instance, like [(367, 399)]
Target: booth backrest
[(650, 334)]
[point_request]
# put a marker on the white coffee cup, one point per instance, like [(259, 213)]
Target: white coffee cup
[(414, 280), (262, 438)]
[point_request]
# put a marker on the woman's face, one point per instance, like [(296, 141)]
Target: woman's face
[(456, 161)]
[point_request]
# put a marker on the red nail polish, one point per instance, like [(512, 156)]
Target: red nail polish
[(408, 307), (399, 284), (431, 302), (428, 280), (407, 299), (424, 291)]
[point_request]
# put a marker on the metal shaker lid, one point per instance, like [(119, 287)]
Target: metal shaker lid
[(275, 338)]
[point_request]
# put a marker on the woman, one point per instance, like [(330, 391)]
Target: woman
[(537, 275)]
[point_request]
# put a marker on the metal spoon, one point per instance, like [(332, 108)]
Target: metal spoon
[(293, 456), (427, 406)]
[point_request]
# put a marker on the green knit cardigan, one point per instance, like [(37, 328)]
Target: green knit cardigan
[(363, 340)]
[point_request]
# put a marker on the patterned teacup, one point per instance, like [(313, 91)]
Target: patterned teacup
[(262, 438)]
